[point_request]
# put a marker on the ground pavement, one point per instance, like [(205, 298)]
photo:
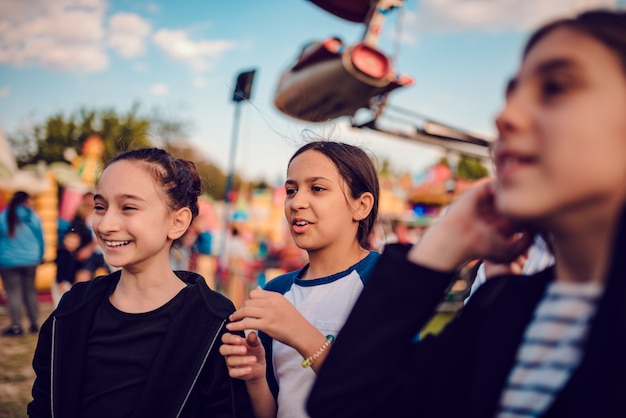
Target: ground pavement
[(16, 372)]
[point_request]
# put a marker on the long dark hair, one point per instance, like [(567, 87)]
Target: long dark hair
[(12, 220)]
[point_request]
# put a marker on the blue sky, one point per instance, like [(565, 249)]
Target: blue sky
[(183, 57)]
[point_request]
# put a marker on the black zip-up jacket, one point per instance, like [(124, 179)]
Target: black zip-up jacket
[(189, 377), (376, 370)]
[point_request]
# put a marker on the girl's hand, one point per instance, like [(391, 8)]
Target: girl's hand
[(497, 269), (472, 228), (273, 314), (245, 357)]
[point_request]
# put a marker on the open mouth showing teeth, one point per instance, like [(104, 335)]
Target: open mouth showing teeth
[(116, 243), (301, 223)]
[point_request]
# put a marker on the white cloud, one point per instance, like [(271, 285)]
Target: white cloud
[(492, 15), (4, 91), (59, 34), (67, 35), (74, 35), (159, 89), (198, 55), (127, 33)]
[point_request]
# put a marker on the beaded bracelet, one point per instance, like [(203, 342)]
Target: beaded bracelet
[(308, 362)]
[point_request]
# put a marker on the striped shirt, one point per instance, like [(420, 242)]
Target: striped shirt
[(539, 258), (552, 348)]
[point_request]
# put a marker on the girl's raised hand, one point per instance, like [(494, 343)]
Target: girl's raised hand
[(245, 357), (497, 269), (273, 314), (471, 228)]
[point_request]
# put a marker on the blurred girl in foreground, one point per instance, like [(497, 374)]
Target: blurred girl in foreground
[(548, 345)]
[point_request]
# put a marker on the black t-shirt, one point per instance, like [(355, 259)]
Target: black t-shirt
[(120, 351)]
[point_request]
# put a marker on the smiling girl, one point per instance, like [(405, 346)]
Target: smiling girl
[(547, 345), (331, 205), (143, 341)]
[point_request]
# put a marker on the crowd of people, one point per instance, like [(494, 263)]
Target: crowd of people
[(542, 336)]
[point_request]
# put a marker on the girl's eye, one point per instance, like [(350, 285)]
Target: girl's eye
[(552, 88), (290, 192), (317, 189), (128, 208), (555, 85), (98, 207)]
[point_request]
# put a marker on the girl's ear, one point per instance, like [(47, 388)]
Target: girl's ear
[(362, 206), (181, 219)]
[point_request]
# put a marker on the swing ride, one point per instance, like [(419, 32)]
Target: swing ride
[(331, 79)]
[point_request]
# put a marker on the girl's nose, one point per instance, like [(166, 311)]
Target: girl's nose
[(106, 222), (299, 200), (504, 122), (515, 115)]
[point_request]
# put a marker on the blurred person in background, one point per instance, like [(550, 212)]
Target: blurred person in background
[(235, 264), (78, 255), (21, 251)]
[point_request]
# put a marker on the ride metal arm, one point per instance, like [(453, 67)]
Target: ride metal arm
[(400, 123)]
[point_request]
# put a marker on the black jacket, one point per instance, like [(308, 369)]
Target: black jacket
[(189, 377), (375, 370)]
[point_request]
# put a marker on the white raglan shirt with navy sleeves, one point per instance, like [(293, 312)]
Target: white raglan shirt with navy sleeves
[(326, 303)]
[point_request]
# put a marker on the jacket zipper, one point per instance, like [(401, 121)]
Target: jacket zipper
[(54, 326), (206, 356)]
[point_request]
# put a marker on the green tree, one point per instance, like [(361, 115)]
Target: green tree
[(385, 169), (124, 132), (213, 178), (51, 140), (167, 130), (471, 168)]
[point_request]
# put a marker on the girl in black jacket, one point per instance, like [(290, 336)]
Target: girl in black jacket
[(143, 341), (549, 345)]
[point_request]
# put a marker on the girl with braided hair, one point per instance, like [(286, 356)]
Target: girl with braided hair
[(142, 341)]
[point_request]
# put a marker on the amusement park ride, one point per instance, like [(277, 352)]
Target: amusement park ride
[(331, 79)]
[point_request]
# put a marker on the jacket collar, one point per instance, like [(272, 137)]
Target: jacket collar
[(86, 292)]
